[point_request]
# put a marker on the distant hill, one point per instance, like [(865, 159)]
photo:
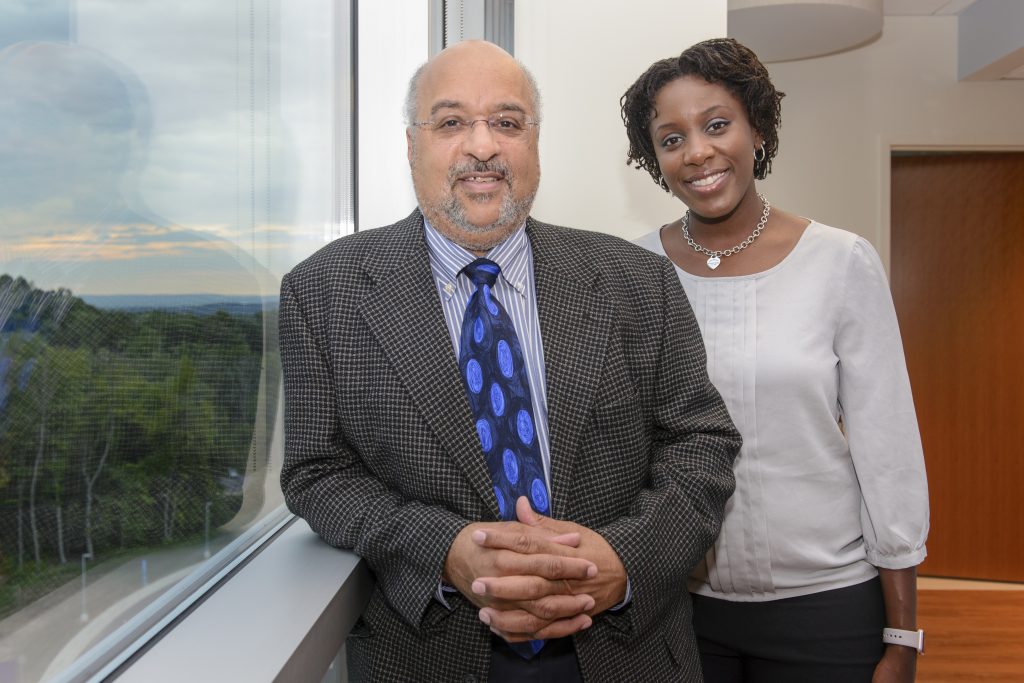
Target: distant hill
[(199, 304)]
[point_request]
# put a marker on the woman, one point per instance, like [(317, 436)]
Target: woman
[(820, 543)]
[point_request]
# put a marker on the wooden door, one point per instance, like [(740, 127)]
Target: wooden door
[(958, 284)]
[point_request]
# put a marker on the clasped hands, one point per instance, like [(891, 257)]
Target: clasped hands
[(535, 578)]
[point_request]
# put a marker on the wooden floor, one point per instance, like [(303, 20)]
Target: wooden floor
[(971, 635)]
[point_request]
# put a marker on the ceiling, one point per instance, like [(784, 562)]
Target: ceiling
[(990, 33), (924, 7)]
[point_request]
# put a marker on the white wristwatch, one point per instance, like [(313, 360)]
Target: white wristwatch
[(895, 636)]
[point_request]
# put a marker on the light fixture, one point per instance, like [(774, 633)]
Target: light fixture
[(782, 30)]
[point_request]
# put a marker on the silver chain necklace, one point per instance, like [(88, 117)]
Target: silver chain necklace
[(715, 257)]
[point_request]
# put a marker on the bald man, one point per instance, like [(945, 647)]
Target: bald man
[(510, 421)]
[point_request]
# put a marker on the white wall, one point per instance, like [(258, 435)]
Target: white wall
[(392, 44), (843, 115), (584, 55)]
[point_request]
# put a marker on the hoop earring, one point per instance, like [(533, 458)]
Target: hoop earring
[(764, 154)]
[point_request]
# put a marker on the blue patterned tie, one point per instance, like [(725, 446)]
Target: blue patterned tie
[(491, 363)]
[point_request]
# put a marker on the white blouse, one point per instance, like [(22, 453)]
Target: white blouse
[(792, 350)]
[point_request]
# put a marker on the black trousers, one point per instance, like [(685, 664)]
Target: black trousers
[(555, 663), (833, 636)]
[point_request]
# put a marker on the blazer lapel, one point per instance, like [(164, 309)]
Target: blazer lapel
[(404, 313), (574, 320)]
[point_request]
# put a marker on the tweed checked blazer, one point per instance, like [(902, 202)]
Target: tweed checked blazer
[(382, 456)]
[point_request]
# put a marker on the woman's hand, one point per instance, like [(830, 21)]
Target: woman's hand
[(897, 665)]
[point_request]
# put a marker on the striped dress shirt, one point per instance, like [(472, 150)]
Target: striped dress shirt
[(516, 292)]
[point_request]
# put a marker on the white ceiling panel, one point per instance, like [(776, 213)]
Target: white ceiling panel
[(924, 7)]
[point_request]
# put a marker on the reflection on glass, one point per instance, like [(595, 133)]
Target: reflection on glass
[(138, 369)]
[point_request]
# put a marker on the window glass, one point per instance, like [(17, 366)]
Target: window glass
[(161, 166)]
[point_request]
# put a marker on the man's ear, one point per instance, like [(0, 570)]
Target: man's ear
[(408, 144)]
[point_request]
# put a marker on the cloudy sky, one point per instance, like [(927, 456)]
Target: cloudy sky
[(151, 147)]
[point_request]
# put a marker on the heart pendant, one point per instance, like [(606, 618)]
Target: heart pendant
[(713, 262)]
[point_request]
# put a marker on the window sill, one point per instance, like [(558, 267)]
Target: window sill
[(281, 617)]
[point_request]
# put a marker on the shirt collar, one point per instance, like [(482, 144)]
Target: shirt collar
[(512, 256)]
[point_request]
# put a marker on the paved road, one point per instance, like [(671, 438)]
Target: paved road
[(41, 639), (51, 632)]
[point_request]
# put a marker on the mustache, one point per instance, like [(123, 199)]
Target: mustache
[(491, 166)]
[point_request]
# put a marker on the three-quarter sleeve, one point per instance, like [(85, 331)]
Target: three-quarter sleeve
[(879, 418)]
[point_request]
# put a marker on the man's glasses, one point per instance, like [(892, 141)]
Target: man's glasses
[(508, 126)]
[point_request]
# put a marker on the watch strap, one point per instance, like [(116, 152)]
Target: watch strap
[(897, 636)]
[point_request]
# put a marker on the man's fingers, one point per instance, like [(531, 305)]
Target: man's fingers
[(548, 608), (545, 555), (526, 541), (551, 567), (518, 588), (571, 539), (565, 627), (556, 607), (526, 514), (519, 625)]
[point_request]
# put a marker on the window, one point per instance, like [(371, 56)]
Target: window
[(161, 166)]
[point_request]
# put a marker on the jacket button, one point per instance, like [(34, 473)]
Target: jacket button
[(469, 678)]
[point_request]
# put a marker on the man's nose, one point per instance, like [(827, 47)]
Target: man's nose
[(480, 141)]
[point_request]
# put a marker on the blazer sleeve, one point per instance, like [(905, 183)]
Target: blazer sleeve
[(677, 517), (324, 480)]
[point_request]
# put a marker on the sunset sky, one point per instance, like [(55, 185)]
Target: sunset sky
[(161, 148)]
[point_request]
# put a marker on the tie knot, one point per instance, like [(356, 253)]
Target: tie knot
[(483, 272)]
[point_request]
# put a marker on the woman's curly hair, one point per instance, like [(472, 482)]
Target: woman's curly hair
[(720, 60)]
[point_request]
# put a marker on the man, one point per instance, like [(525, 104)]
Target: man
[(622, 446)]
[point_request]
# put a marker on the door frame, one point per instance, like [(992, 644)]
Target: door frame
[(882, 238)]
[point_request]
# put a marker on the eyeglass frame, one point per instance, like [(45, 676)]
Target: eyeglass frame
[(466, 127)]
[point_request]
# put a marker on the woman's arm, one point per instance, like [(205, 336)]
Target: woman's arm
[(899, 591)]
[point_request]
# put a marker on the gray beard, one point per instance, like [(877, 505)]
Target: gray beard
[(511, 213)]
